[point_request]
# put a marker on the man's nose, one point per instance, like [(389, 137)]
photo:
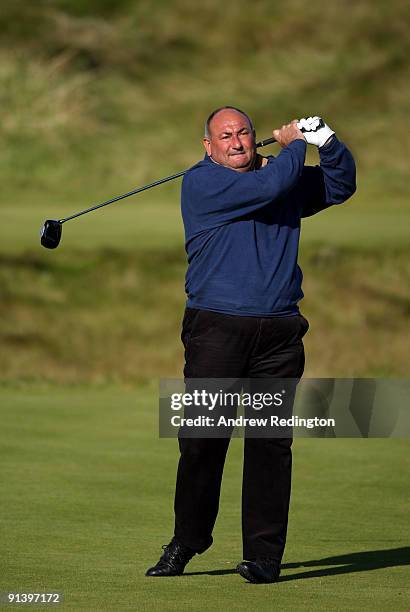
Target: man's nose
[(236, 142)]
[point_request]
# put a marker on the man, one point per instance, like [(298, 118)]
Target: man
[(242, 217)]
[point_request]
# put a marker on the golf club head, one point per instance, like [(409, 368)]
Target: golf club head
[(51, 234)]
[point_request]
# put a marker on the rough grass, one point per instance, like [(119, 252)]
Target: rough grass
[(96, 95), (100, 97), (115, 315)]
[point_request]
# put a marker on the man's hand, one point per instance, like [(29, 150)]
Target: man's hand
[(314, 134), (288, 133)]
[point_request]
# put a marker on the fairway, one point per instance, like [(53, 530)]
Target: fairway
[(153, 220), (87, 491)]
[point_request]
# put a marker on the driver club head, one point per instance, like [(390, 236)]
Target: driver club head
[(51, 234)]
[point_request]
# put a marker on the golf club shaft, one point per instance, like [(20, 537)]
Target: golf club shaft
[(262, 143), (267, 141), (125, 195)]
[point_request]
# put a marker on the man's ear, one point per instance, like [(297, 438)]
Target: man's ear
[(207, 145)]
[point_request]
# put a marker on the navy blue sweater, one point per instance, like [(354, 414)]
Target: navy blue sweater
[(242, 229)]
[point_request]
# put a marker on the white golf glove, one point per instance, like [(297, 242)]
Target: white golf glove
[(315, 130)]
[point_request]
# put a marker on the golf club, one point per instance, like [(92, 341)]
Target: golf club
[(52, 229)]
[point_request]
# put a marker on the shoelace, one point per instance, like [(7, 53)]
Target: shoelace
[(178, 555)]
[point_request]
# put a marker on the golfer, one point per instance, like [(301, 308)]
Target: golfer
[(242, 216)]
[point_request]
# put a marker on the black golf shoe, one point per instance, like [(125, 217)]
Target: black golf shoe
[(173, 561), (260, 571)]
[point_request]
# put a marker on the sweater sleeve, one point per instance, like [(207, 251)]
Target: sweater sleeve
[(333, 182), (213, 195)]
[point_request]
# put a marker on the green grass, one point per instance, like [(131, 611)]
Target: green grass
[(114, 315), (100, 97), (87, 491), (153, 220)]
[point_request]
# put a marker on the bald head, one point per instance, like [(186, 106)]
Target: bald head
[(208, 122), (230, 139)]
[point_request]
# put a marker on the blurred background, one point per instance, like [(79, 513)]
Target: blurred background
[(98, 97)]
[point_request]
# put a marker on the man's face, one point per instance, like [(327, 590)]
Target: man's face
[(231, 141)]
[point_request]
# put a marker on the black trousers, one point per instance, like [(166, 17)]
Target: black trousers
[(230, 346)]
